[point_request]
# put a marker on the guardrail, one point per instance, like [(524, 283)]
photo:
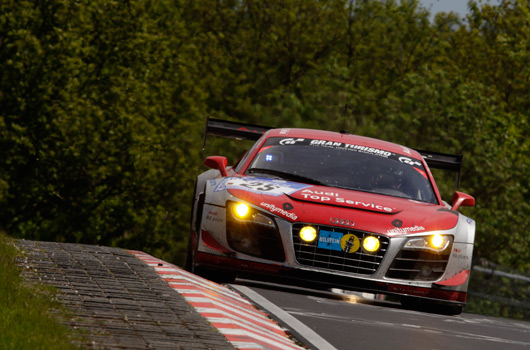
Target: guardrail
[(499, 291)]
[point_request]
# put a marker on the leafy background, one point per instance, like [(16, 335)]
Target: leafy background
[(103, 105)]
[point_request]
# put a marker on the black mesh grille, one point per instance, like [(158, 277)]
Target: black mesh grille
[(255, 240), (311, 254), (421, 265)]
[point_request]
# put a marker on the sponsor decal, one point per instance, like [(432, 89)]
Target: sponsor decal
[(272, 141), (325, 143), (348, 243), (323, 193), (460, 256), (284, 131), (397, 223), (358, 148), (338, 221), (259, 185), (329, 240), (406, 150), (334, 144), (274, 209), (333, 197), (287, 206), (290, 141), (213, 216), (409, 161), (405, 230), (469, 221), (408, 290)]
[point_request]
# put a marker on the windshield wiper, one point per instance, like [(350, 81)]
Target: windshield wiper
[(286, 176)]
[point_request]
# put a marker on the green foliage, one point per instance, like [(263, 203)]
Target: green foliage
[(103, 104), (27, 321), (97, 133), (499, 292)]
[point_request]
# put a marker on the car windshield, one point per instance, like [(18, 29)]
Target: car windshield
[(347, 166)]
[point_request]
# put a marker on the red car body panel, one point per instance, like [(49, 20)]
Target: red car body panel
[(372, 212)]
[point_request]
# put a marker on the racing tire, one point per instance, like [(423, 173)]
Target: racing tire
[(190, 263), (418, 304), (215, 276), (191, 250), (452, 310)]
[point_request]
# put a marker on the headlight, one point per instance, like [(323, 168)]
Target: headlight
[(371, 244), (435, 242), (253, 232), (243, 212), (308, 234)]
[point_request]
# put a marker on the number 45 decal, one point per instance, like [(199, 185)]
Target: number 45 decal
[(261, 186), (264, 186)]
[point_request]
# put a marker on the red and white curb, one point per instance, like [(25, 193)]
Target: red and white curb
[(244, 326)]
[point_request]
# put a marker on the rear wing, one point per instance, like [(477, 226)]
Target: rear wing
[(240, 131), (444, 161), (245, 131)]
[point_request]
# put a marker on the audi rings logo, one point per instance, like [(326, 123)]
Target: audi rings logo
[(343, 222)]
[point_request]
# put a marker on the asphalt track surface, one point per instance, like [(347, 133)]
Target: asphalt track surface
[(116, 299), (349, 321)]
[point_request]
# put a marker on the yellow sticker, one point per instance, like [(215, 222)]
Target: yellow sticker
[(350, 243)]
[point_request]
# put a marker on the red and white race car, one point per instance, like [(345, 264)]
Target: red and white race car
[(335, 210)]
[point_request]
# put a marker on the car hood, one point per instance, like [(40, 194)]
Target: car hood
[(363, 211)]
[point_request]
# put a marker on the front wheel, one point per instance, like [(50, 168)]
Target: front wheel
[(215, 276), (209, 274), (190, 264), (431, 306), (190, 252)]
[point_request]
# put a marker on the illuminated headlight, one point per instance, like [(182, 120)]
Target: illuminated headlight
[(245, 213), (371, 244), (435, 242), (241, 210), (308, 234)]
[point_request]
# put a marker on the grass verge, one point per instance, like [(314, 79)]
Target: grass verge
[(28, 317)]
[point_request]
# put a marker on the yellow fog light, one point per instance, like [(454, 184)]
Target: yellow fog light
[(241, 210), (437, 241), (371, 244), (308, 234)]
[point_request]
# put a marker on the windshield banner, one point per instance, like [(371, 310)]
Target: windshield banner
[(273, 141)]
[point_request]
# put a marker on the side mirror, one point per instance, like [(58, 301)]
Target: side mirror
[(462, 200), (218, 163)]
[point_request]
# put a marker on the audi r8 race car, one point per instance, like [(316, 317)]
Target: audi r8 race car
[(334, 210)]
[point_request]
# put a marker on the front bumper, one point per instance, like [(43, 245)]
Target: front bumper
[(324, 280), (217, 250)]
